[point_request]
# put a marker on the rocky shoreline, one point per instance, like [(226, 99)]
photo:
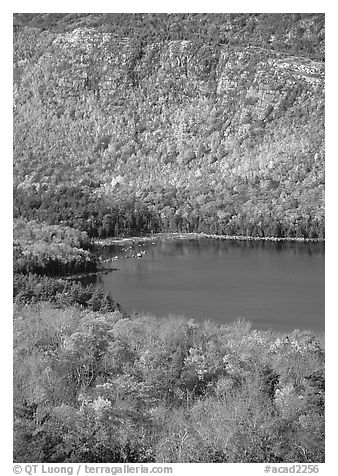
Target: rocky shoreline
[(123, 241), (196, 236)]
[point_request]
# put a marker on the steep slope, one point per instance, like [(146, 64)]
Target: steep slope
[(220, 130)]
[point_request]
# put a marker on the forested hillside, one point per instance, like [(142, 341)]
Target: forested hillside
[(126, 124)]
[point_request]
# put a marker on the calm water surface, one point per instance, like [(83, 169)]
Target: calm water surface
[(274, 285)]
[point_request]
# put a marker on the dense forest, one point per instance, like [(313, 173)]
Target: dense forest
[(102, 387), (132, 124), (126, 124)]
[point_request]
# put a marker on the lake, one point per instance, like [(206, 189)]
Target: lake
[(274, 285)]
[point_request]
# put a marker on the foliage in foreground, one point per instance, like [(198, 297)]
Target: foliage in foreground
[(93, 387)]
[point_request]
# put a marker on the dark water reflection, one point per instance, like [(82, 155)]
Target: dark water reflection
[(275, 285)]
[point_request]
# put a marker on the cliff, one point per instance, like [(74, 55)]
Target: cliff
[(218, 123)]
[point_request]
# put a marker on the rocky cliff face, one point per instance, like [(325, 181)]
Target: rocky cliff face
[(93, 104)]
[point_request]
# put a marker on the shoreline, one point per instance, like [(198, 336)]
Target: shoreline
[(196, 236), (86, 275)]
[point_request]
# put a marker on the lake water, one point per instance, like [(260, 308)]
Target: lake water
[(274, 285)]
